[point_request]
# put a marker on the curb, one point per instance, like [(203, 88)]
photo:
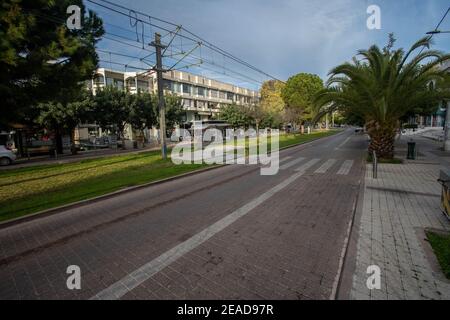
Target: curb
[(51, 211), (59, 209)]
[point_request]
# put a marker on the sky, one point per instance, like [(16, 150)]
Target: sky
[(285, 37)]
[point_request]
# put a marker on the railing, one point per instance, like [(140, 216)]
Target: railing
[(374, 165)]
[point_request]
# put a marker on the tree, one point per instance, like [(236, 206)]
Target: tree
[(298, 94), (112, 110), (270, 120), (40, 58), (271, 100), (62, 117), (256, 115), (141, 108), (383, 86), (236, 116), (175, 113)]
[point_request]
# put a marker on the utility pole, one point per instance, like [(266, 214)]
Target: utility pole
[(161, 103), (447, 128)]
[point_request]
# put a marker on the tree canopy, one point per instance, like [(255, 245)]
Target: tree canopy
[(40, 58), (298, 94), (271, 100), (236, 116), (381, 86)]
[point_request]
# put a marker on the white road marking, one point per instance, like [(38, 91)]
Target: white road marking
[(285, 158), (327, 165), (307, 165), (145, 272), (345, 168), (345, 141), (292, 163), (248, 160)]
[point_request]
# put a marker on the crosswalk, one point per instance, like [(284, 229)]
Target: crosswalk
[(307, 165), (345, 168), (325, 165)]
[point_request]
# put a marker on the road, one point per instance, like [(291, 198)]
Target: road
[(227, 233)]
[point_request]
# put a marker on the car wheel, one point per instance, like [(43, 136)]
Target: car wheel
[(4, 161)]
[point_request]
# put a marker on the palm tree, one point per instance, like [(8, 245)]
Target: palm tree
[(382, 86)]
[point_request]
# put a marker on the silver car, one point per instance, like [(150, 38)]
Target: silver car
[(6, 156)]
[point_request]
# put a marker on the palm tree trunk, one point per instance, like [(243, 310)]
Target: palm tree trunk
[(382, 141)]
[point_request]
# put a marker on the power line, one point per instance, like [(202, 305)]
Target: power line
[(198, 38), (184, 54), (109, 36), (242, 77), (437, 27)]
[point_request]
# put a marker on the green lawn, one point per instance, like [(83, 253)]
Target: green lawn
[(28, 190), (441, 247), (291, 139)]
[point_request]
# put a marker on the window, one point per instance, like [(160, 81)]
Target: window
[(201, 91), (98, 80), (119, 84), (186, 88), (214, 93), (230, 96), (109, 81), (221, 95), (167, 85), (142, 85), (177, 87), (115, 83), (187, 103)]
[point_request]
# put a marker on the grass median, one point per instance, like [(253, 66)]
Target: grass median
[(28, 190), (441, 247)]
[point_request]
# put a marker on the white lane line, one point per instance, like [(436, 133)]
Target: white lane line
[(327, 165), (345, 168), (145, 272), (291, 163), (244, 159), (345, 141), (307, 165), (285, 158)]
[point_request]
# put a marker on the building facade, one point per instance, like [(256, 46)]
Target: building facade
[(201, 97)]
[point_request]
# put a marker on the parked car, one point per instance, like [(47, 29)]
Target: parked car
[(6, 156)]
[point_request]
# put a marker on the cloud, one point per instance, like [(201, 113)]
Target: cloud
[(284, 37)]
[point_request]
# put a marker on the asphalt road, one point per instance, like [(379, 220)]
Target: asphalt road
[(228, 233)]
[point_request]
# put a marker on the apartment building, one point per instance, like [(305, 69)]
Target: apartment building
[(202, 97)]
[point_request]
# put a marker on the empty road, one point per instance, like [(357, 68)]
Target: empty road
[(227, 233)]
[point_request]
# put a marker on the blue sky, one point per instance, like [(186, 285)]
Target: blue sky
[(284, 37)]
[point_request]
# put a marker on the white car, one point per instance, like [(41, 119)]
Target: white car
[(6, 156)]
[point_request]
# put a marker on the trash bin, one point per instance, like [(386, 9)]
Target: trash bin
[(411, 150), (444, 180)]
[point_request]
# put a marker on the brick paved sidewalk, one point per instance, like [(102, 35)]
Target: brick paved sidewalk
[(396, 209)]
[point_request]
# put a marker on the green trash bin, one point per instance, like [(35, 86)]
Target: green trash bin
[(411, 150)]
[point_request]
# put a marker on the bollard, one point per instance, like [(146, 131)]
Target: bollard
[(374, 165), (411, 155)]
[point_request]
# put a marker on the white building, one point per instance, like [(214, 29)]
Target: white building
[(202, 97)]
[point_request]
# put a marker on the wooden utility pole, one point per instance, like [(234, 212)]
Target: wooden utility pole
[(161, 103)]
